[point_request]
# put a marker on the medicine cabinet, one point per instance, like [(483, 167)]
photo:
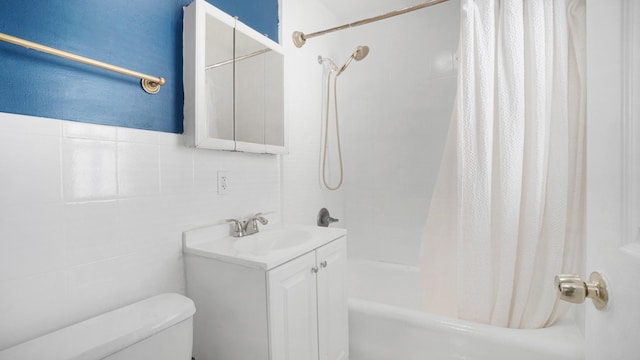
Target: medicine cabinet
[(233, 84)]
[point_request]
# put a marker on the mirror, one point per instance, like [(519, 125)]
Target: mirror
[(219, 78), (250, 91), (234, 87), (274, 132)]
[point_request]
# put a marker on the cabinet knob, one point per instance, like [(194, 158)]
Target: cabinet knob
[(314, 269), (324, 264)]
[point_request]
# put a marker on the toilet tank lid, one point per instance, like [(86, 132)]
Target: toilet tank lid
[(108, 333)]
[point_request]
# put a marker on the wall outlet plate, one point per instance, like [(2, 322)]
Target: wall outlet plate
[(224, 182)]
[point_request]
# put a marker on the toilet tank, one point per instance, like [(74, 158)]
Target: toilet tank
[(159, 328)]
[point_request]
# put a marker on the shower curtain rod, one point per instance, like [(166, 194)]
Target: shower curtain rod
[(299, 38)]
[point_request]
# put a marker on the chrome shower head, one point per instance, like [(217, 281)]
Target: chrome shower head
[(360, 53)]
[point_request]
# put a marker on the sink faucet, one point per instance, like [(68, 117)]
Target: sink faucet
[(251, 225), (247, 227)]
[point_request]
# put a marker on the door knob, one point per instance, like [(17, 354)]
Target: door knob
[(573, 289)]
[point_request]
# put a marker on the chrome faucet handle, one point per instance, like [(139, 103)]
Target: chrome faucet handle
[(260, 218), (251, 225), (238, 229)]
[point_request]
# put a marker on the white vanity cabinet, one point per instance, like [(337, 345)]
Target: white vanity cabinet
[(307, 306), (287, 303)]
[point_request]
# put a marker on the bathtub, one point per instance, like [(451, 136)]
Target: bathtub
[(386, 323)]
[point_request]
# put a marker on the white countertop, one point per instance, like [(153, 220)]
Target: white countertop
[(215, 242)]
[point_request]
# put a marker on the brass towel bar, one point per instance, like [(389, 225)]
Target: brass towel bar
[(150, 84)]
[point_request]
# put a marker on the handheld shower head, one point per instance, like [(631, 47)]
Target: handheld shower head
[(360, 53)]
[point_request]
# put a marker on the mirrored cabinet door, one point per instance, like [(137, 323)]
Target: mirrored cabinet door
[(249, 92), (219, 79), (233, 84), (274, 130)]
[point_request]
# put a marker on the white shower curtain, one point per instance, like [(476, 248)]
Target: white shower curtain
[(506, 215)]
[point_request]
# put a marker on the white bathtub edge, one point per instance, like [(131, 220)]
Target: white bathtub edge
[(563, 339)]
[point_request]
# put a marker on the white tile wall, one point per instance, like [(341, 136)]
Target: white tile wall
[(138, 170), (302, 193), (91, 216), (89, 170), (25, 183), (33, 305), (394, 109)]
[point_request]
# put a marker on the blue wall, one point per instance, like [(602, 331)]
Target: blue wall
[(142, 35)]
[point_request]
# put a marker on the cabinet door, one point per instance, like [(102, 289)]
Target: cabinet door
[(333, 316), (274, 130), (208, 77), (218, 82), (293, 322), (249, 90)]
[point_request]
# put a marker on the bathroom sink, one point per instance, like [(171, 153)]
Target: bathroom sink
[(274, 240), (272, 246)]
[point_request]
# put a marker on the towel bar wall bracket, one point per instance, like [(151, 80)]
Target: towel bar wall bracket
[(152, 87)]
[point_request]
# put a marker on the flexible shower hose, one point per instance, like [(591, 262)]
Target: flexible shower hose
[(326, 132)]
